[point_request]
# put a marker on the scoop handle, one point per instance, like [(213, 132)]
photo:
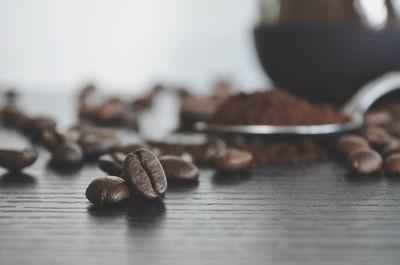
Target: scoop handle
[(371, 92)]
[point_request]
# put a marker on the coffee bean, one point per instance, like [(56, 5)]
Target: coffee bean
[(95, 144), (392, 164), (377, 118), (107, 191), (230, 160), (51, 139), (144, 174), (112, 164), (364, 161), (391, 148), (68, 154), (378, 137), (12, 116), (178, 170), (349, 143), (35, 126), (109, 112), (15, 160)]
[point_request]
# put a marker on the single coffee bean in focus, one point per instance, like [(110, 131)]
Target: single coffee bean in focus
[(144, 174)]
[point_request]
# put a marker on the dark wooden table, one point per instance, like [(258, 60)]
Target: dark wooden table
[(277, 215)]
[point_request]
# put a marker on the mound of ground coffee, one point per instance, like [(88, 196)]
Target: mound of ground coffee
[(274, 107)]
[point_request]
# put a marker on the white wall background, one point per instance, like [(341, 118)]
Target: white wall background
[(127, 45)]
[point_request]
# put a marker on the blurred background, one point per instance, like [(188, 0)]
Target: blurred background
[(127, 45)]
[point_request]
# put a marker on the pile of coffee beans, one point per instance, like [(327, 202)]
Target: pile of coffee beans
[(142, 177), (374, 150)]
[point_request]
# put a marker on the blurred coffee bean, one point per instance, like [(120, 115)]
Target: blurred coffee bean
[(68, 154), (12, 116), (349, 143), (144, 174), (392, 164), (230, 160), (35, 126), (178, 170), (391, 148), (95, 144), (112, 164), (364, 161), (107, 191), (51, 139), (377, 118), (378, 137), (16, 160), (145, 102), (109, 112)]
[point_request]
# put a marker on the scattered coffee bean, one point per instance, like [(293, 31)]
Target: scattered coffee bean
[(68, 154), (51, 139), (95, 144), (230, 160), (392, 164), (144, 174), (12, 116), (364, 161), (112, 164), (349, 143), (107, 191), (178, 170), (15, 160), (35, 126)]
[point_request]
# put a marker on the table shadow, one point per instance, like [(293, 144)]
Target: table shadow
[(139, 214), (17, 179), (234, 178)]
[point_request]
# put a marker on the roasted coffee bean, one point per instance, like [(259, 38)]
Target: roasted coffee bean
[(378, 137), (349, 143), (107, 191), (109, 112), (178, 170), (51, 139), (377, 118), (112, 164), (391, 148), (364, 161), (16, 160), (230, 160), (68, 154), (95, 144), (392, 164), (12, 116), (144, 174), (35, 126)]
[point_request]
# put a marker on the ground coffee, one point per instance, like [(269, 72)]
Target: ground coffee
[(274, 107)]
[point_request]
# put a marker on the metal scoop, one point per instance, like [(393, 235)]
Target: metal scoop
[(355, 109)]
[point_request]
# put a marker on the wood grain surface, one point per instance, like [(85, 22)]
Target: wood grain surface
[(309, 214)]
